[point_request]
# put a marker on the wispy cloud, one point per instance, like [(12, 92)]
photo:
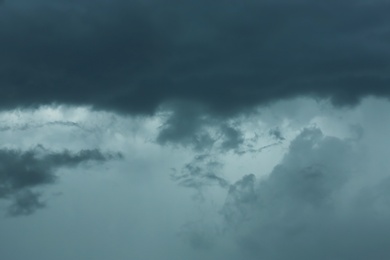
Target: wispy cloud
[(23, 171)]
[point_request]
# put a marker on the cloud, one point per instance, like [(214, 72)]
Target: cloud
[(315, 204), (232, 138), (21, 172), (183, 120), (134, 56), (201, 172), (30, 125), (25, 202), (276, 134)]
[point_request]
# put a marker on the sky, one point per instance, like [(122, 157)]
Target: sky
[(150, 129)]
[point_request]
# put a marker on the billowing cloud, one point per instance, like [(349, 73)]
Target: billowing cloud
[(23, 171), (134, 56), (316, 204)]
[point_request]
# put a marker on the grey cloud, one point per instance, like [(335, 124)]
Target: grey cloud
[(21, 172), (187, 119), (31, 125), (313, 205), (217, 58), (25, 202), (276, 134), (226, 55), (357, 131), (206, 169), (190, 125), (251, 149), (241, 197), (202, 172), (199, 235), (232, 138)]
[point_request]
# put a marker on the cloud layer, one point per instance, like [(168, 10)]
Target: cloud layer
[(202, 66), (133, 56)]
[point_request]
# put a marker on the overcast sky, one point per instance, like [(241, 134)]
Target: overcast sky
[(167, 129)]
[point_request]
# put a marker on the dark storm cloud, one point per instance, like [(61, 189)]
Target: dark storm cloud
[(132, 56), (316, 204), (233, 138), (184, 120), (189, 124), (23, 171)]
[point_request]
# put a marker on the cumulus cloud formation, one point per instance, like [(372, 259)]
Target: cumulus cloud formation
[(23, 171), (316, 204), (133, 56)]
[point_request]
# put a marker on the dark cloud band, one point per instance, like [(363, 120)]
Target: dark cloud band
[(227, 55)]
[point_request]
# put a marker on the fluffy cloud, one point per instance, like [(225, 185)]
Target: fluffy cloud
[(23, 171), (315, 204)]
